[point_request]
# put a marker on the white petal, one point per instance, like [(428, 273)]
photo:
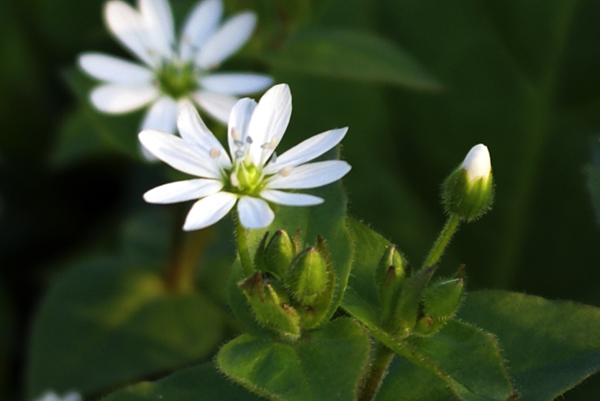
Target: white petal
[(193, 130), (72, 396), (159, 25), (227, 40), (209, 210), (161, 116), (179, 154), (217, 105), (238, 121), (129, 28), (269, 122), (290, 199), (254, 212), (477, 163), (236, 83), (182, 191), (200, 25), (114, 70), (117, 98), (307, 150), (310, 175)]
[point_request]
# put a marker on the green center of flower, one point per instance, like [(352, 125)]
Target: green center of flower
[(177, 80), (246, 179)]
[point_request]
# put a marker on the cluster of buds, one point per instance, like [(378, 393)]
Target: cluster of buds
[(410, 303), (291, 289)]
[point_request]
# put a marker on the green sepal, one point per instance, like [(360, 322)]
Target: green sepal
[(389, 276), (307, 276), (271, 306), (407, 309), (465, 199), (312, 315), (259, 256), (442, 299), (279, 253)]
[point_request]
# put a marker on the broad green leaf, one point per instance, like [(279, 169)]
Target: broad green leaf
[(325, 364), (203, 382), (352, 55), (105, 323), (550, 346), (327, 220)]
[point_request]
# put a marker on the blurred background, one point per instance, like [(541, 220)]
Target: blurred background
[(419, 82)]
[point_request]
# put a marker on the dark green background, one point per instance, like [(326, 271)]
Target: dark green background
[(521, 76)]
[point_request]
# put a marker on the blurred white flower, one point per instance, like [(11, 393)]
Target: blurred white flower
[(174, 73), (477, 164), (254, 174), (51, 396)]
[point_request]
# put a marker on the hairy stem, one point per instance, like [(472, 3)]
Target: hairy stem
[(442, 242), (382, 357), (242, 245)]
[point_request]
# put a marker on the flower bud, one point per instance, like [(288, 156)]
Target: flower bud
[(427, 326), (442, 299), (307, 276), (271, 306), (389, 276), (408, 305), (279, 253), (468, 192)]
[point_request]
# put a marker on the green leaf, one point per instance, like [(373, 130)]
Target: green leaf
[(352, 55), (327, 220), (105, 323), (449, 353), (203, 382), (551, 346), (326, 364)]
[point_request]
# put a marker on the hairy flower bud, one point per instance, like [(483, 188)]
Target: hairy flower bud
[(271, 306), (468, 192), (442, 299), (279, 253), (307, 276)]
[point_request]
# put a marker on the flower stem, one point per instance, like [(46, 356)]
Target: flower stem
[(382, 356), (442, 242), (242, 245), (185, 252)]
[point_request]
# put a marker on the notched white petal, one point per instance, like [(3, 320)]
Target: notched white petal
[(227, 40), (129, 28), (254, 213), (239, 119), (161, 116), (182, 191), (159, 25), (202, 22), (118, 98), (113, 69), (236, 83), (207, 211), (180, 154), (310, 175), (307, 150), (269, 122), (217, 105), (290, 199)]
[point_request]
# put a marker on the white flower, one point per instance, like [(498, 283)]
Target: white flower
[(172, 74), (253, 175), (477, 164), (51, 396)]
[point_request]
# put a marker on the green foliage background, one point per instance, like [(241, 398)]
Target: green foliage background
[(417, 81)]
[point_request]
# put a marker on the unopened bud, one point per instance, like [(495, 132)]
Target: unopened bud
[(407, 310), (279, 253), (427, 326), (390, 258), (259, 256), (442, 299), (389, 276), (468, 192), (271, 306), (307, 276)]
